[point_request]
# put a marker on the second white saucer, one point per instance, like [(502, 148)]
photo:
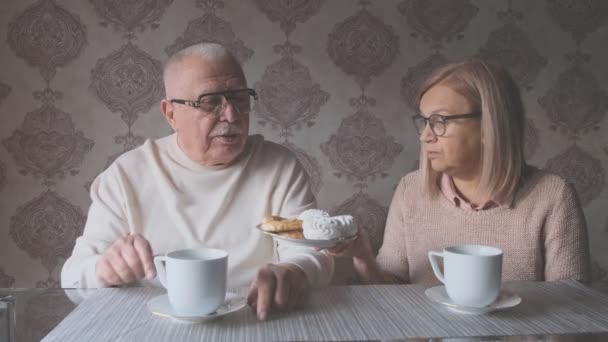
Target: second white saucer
[(505, 300), (160, 306)]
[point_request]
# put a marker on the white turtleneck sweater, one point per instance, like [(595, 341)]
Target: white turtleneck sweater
[(155, 190)]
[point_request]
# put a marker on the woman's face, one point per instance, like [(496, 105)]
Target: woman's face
[(458, 151)]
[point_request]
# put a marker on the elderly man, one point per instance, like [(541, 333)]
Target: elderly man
[(208, 184)]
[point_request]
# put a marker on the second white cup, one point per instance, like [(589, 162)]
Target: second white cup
[(195, 279), (472, 274)]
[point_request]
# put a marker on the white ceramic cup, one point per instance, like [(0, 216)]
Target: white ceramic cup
[(195, 279), (472, 274)]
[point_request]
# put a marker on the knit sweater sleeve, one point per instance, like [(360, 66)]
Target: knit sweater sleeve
[(105, 223), (566, 242), (392, 256)]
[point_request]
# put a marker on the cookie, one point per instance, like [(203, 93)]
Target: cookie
[(282, 226), (293, 234), (270, 218)]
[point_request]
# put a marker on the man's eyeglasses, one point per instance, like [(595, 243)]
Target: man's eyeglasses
[(437, 122), (215, 103)]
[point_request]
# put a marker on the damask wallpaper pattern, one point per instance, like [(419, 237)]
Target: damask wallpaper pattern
[(80, 83)]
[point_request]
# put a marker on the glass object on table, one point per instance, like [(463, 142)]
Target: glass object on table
[(36, 311), (7, 318)]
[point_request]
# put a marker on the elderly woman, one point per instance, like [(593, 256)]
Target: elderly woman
[(474, 187)]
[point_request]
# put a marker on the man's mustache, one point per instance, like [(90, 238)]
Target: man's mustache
[(226, 130)]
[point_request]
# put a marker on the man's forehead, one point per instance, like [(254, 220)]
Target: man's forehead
[(218, 84)]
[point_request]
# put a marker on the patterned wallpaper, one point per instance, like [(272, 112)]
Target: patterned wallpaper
[(80, 83)]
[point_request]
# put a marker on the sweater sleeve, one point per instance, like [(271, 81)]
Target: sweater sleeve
[(296, 196), (392, 256), (106, 222), (566, 245)]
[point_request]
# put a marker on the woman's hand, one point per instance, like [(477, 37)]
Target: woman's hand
[(364, 260), (359, 249)]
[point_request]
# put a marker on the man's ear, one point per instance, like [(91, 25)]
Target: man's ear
[(167, 108)]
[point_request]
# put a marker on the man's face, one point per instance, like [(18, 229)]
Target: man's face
[(205, 137)]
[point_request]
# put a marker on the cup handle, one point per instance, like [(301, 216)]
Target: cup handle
[(159, 262), (433, 255)]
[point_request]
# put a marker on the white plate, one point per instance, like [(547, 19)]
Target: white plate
[(306, 242), (505, 300), (160, 306)]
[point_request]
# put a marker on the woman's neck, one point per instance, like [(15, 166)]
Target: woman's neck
[(468, 187)]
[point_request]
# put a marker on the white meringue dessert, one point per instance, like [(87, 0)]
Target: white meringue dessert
[(312, 213), (329, 228)]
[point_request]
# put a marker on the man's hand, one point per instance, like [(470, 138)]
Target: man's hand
[(128, 259), (278, 287)]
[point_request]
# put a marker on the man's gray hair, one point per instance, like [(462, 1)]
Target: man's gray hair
[(207, 50)]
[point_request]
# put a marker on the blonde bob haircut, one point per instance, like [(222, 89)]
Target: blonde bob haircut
[(491, 90)]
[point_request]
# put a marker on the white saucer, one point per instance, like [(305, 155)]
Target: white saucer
[(306, 242), (160, 306), (505, 300)]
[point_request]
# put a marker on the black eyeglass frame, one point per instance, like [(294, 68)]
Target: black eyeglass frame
[(226, 94), (444, 118)]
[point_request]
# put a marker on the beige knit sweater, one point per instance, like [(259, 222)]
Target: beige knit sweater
[(155, 190), (543, 235)]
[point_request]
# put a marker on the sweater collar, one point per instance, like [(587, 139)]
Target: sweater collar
[(449, 190), (177, 154)]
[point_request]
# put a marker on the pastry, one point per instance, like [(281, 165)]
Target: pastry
[(309, 214), (329, 228), (314, 224), (290, 228), (283, 225), (270, 218), (293, 234)]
